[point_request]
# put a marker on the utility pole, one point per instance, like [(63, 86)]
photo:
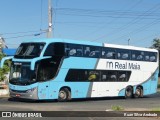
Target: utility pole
[(50, 29)]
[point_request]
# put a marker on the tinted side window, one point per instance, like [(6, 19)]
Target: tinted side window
[(153, 57), (112, 76), (83, 75), (104, 75), (123, 76), (146, 56), (50, 50), (93, 75), (108, 53), (86, 75), (123, 54), (74, 50), (137, 55), (72, 75), (59, 49), (91, 51)]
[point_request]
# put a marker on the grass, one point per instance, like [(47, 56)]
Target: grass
[(156, 109), (117, 108)]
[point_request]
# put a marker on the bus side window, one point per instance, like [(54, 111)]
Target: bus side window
[(123, 54), (104, 75), (112, 76), (74, 50), (94, 75), (140, 55), (72, 75), (153, 57), (49, 50), (122, 76), (91, 51), (108, 53), (137, 55), (146, 56), (133, 56)]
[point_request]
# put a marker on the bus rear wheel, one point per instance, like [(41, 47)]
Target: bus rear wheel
[(64, 95), (138, 92), (129, 92)]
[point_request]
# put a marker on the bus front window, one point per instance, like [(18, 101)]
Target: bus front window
[(22, 75), (29, 50)]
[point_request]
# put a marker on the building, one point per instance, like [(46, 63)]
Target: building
[(2, 44), (9, 52)]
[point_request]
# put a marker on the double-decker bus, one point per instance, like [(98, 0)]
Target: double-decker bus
[(62, 69)]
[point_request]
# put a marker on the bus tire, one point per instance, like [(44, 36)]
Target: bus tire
[(129, 92), (138, 92), (64, 95)]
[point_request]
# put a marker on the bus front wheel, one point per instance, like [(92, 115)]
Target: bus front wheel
[(64, 95)]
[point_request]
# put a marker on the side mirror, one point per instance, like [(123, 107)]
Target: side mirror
[(4, 59)]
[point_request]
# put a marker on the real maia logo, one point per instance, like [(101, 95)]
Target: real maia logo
[(126, 65)]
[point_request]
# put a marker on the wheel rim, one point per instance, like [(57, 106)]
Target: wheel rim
[(138, 92), (62, 95), (128, 92)]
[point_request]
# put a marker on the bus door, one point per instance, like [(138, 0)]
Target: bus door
[(46, 71), (43, 90), (43, 77)]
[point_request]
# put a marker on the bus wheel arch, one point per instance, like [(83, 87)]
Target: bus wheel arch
[(129, 92), (64, 94), (139, 92)]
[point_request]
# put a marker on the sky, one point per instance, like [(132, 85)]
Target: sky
[(106, 21)]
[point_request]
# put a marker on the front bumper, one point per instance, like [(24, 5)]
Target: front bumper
[(33, 95)]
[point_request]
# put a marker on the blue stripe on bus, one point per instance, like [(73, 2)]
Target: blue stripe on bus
[(149, 86), (51, 40), (78, 89)]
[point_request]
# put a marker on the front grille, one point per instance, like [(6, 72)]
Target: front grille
[(19, 91)]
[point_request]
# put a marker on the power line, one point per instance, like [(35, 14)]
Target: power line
[(138, 18), (25, 35), (140, 29), (104, 26), (20, 32)]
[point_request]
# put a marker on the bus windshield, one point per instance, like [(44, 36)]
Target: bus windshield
[(22, 75), (29, 50)]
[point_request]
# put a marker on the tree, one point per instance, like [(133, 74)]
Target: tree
[(5, 69), (156, 44)]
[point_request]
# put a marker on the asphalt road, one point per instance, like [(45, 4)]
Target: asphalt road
[(103, 104)]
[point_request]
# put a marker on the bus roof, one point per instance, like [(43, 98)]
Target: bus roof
[(85, 42)]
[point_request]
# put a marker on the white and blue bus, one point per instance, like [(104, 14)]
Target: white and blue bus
[(62, 69)]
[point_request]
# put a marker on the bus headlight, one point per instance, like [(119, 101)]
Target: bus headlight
[(30, 90)]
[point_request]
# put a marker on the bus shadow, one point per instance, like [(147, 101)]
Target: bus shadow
[(96, 99), (73, 100), (157, 95)]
